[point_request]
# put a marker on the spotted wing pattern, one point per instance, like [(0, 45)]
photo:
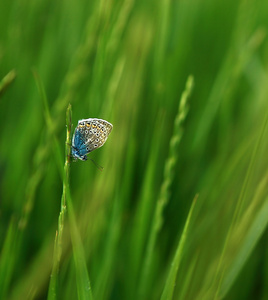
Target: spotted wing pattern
[(95, 132), (89, 135)]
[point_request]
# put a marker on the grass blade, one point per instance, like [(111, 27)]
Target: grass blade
[(49, 122), (220, 269), (7, 258), (82, 278), (6, 81), (165, 188), (254, 233), (52, 294), (171, 279)]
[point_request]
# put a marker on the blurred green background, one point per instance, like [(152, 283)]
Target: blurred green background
[(128, 62)]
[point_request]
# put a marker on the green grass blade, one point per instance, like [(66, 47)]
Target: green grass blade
[(220, 269), (7, 259), (52, 294), (254, 234), (6, 81), (103, 282), (187, 279), (165, 188), (171, 278), (82, 278), (53, 283), (233, 65), (143, 214), (49, 122)]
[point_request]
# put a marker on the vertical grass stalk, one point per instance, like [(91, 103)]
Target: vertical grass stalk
[(82, 278), (52, 294), (165, 188)]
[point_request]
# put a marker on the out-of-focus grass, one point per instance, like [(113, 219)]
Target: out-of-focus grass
[(128, 62)]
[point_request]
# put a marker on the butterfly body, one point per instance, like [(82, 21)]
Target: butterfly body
[(89, 135)]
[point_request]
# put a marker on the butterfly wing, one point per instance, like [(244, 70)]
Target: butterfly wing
[(95, 132)]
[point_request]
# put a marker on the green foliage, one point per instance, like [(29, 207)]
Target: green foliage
[(69, 231)]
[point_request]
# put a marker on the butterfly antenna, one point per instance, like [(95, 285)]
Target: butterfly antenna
[(96, 164)]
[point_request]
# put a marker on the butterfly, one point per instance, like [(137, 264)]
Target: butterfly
[(89, 135)]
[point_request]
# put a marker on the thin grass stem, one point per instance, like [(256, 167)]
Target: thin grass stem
[(66, 186), (165, 188)]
